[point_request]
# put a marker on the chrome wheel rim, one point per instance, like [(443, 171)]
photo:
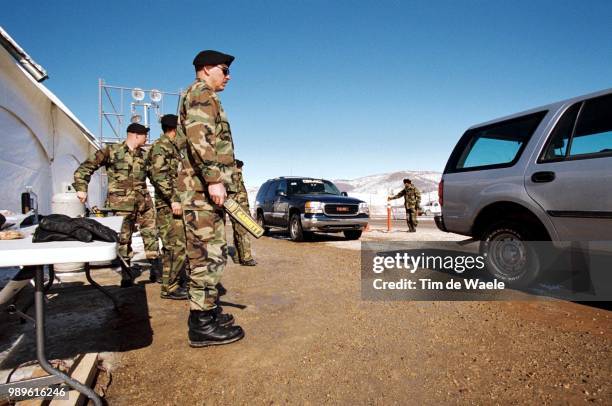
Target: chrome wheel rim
[(294, 229)]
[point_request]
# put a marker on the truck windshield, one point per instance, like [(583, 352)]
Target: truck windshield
[(311, 186)]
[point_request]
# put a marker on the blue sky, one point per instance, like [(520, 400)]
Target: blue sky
[(334, 89)]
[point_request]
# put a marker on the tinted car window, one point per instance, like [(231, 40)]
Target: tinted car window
[(560, 136), (594, 128), (281, 187), (262, 191), (311, 186), (493, 146), (491, 150), (271, 191)]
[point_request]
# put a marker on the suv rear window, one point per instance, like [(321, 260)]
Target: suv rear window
[(261, 195), (496, 145)]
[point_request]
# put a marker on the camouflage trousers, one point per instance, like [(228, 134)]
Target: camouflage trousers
[(207, 255), (242, 242), (172, 234), (411, 218), (143, 215)]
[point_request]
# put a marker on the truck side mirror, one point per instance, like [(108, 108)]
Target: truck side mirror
[(344, 194)]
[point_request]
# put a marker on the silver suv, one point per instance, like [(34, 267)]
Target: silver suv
[(541, 175)]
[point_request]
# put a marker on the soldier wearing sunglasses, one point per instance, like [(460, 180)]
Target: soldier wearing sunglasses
[(205, 178)]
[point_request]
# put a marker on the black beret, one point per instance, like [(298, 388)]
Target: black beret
[(137, 128), (407, 180), (210, 57), (239, 163), (169, 120)]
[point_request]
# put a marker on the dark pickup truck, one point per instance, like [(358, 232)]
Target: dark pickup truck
[(305, 205)]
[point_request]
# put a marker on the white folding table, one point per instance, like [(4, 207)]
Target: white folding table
[(25, 253)]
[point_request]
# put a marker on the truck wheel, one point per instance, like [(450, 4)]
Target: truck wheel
[(295, 228), (508, 255), (352, 234), (260, 221)]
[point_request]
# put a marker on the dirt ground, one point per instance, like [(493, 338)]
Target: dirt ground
[(311, 339)]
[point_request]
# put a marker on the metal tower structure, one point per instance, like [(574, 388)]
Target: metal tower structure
[(118, 106)]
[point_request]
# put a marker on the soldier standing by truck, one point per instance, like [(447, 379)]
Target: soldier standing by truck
[(127, 194), (162, 167), (412, 201), (242, 241)]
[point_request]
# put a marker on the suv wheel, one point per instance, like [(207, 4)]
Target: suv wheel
[(295, 228), (352, 234), (260, 221), (508, 255)]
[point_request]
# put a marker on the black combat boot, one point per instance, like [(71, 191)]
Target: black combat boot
[(179, 293), (155, 272), (128, 274), (223, 319), (250, 262), (204, 330)]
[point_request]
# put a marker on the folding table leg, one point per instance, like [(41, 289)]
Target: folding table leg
[(100, 288), (39, 304)]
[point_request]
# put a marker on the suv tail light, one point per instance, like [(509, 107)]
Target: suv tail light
[(441, 192)]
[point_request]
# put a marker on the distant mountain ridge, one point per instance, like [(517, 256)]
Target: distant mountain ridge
[(384, 183)]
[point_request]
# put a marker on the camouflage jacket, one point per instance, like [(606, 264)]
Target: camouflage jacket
[(412, 197), (125, 171), (162, 168), (205, 140), (241, 195)]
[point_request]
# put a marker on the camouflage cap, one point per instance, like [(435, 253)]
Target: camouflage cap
[(210, 57), (137, 128), (169, 120)]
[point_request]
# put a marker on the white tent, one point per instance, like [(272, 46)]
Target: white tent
[(41, 141)]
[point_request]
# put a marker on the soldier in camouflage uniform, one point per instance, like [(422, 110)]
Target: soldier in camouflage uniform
[(127, 193), (412, 201), (242, 242), (162, 167), (205, 178)]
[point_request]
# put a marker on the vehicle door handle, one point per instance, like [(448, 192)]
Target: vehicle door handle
[(543, 177)]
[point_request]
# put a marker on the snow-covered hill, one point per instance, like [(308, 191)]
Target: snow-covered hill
[(386, 183)]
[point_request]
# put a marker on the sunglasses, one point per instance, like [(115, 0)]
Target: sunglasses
[(225, 70)]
